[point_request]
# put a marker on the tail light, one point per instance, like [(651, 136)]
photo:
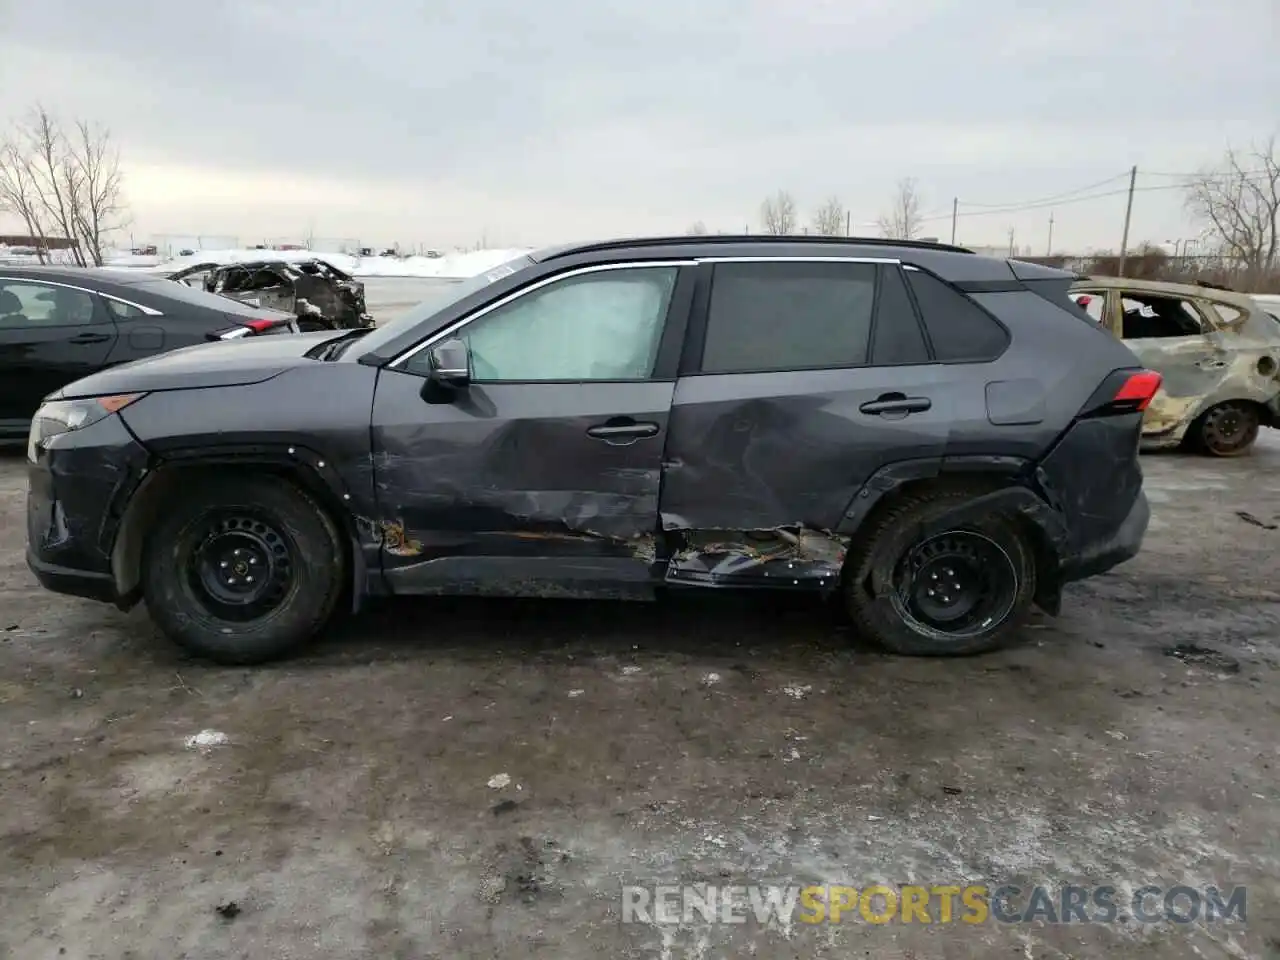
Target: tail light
[(252, 328), (1124, 391), (1136, 392)]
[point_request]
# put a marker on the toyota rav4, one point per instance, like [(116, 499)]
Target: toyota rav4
[(940, 439)]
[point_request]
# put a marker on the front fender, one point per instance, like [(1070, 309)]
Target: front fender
[(301, 465)]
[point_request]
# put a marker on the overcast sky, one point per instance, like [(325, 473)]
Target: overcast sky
[(517, 122)]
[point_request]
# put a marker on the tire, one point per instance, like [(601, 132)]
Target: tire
[(1227, 430), (995, 550), (190, 566)]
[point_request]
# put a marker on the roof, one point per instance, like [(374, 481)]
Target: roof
[(75, 275), (1202, 291)]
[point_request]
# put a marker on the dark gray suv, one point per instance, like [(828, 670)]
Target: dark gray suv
[(941, 438)]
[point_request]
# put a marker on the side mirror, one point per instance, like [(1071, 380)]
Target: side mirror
[(450, 362)]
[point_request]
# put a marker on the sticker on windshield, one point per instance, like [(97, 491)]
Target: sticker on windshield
[(497, 273)]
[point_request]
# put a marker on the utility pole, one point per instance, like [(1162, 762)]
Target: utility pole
[(848, 223), (1048, 252), (955, 208), (1128, 213), (1012, 249)]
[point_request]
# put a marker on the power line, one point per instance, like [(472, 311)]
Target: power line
[(1044, 204), (1056, 196), (1199, 174)]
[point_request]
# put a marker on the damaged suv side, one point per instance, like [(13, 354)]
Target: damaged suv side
[(940, 439)]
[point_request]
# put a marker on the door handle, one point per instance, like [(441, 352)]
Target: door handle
[(896, 403), (89, 338), (622, 429)]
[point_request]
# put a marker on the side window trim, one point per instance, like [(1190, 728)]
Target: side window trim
[(1008, 334), (401, 362), (141, 308)]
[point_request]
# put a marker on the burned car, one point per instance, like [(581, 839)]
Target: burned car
[(1217, 350), (318, 293), (939, 439)]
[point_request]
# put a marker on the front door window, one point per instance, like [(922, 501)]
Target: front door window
[(604, 325)]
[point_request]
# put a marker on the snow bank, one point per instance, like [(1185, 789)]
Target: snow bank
[(453, 266)]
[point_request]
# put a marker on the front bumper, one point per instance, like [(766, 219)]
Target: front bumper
[(74, 583), (77, 490)]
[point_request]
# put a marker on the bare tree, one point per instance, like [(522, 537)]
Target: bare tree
[(60, 185), (19, 194), (698, 229), (56, 177), (830, 219), (903, 221), (101, 209), (778, 214), (1238, 203)]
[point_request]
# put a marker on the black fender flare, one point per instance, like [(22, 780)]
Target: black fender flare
[(312, 471), (1015, 494)]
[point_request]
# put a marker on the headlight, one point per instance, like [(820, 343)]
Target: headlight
[(62, 416)]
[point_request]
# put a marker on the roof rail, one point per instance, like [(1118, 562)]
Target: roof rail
[(754, 238)]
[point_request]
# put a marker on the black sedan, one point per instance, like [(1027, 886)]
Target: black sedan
[(58, 324)]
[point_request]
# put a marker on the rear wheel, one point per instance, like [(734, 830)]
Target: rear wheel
[(959, 591), (1227, 430), (243, 571)]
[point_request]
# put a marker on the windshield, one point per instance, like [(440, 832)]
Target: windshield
[(449, 294)]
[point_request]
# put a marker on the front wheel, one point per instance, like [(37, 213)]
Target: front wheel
[(1227, 430), (956, 592), (244, 570)]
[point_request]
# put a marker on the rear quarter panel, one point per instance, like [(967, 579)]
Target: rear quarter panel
[(1056, 361)]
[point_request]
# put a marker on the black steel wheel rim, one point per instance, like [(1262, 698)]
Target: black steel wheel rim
[(1226, 429), (241, 567), (956, 585)]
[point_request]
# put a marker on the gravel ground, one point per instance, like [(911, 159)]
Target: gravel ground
[(447, 779)]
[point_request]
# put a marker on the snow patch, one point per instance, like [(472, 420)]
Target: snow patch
[(208, 738)]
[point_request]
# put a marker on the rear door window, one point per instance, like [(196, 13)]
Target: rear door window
[(898, 338), (1148, 316), (789, 315)]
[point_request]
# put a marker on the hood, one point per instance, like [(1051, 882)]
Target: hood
[(232, 363)]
